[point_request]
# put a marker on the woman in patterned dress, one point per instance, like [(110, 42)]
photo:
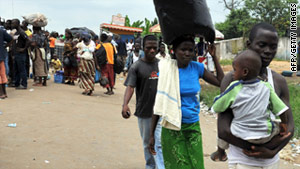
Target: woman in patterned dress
[(86, 65), (71, 66)]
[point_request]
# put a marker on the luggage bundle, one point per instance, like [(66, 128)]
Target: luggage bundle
[(37, 20), (100, 54), (118, 66), (59, 77), (177, 18), (82, 30)]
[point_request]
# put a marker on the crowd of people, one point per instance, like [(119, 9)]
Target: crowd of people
[(166, 83), (31, 53)]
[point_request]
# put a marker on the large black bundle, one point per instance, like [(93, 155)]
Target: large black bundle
[(118, 66), (82, 30), (179, 17)]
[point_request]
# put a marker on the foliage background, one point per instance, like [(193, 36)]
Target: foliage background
[(245, 14)]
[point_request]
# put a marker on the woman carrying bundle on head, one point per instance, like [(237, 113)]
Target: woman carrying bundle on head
[(86, 65)]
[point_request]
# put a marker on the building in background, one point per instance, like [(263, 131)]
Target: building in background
[(117, 27)]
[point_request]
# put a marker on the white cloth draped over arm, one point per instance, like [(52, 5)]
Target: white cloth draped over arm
[(168, 101)]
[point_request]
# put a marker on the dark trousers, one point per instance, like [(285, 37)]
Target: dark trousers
[(11, 65), (20, 68), (27, 64), (52, 52)]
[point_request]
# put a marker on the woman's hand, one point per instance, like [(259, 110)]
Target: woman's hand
[(212, 50), (98, 67)]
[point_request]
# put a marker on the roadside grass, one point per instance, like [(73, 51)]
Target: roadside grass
[(279, 59), (295, 106), (209, 92), (224, 62)]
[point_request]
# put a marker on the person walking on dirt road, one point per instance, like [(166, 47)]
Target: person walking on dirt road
[(143, 76)]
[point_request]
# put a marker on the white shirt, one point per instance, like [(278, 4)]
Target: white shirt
[(87, 49), (236, 156), (134, 57), (129, 46)]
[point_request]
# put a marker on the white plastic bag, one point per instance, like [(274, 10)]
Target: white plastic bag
[(37, 19)]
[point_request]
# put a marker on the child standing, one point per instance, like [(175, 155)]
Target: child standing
[(55, 62)]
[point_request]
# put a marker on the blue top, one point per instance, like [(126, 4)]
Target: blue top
[(190, 91), (4, 38)]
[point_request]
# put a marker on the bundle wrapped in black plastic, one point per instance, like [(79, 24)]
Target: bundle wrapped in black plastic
[(180, 17), (82, 30)]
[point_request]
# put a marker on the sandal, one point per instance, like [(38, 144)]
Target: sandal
[(85, 92), (215, 157), (90, 93)]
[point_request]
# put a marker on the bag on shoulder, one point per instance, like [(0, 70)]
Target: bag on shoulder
[(66, 61), (118, 64), (74, 62), (101, 55)]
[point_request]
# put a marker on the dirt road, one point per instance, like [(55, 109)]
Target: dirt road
[(58, 128)]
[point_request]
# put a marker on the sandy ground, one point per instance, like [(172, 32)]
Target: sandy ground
[(59, 128), (277, 66)]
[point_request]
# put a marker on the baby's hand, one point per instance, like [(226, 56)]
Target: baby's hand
[(283, 129)]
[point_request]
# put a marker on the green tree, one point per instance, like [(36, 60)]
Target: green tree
[(146, 27), (232, 4), (237, 24), (127, 21), (244, 15), (146, 24), (275, 12), (137, 24), (154, 22)]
